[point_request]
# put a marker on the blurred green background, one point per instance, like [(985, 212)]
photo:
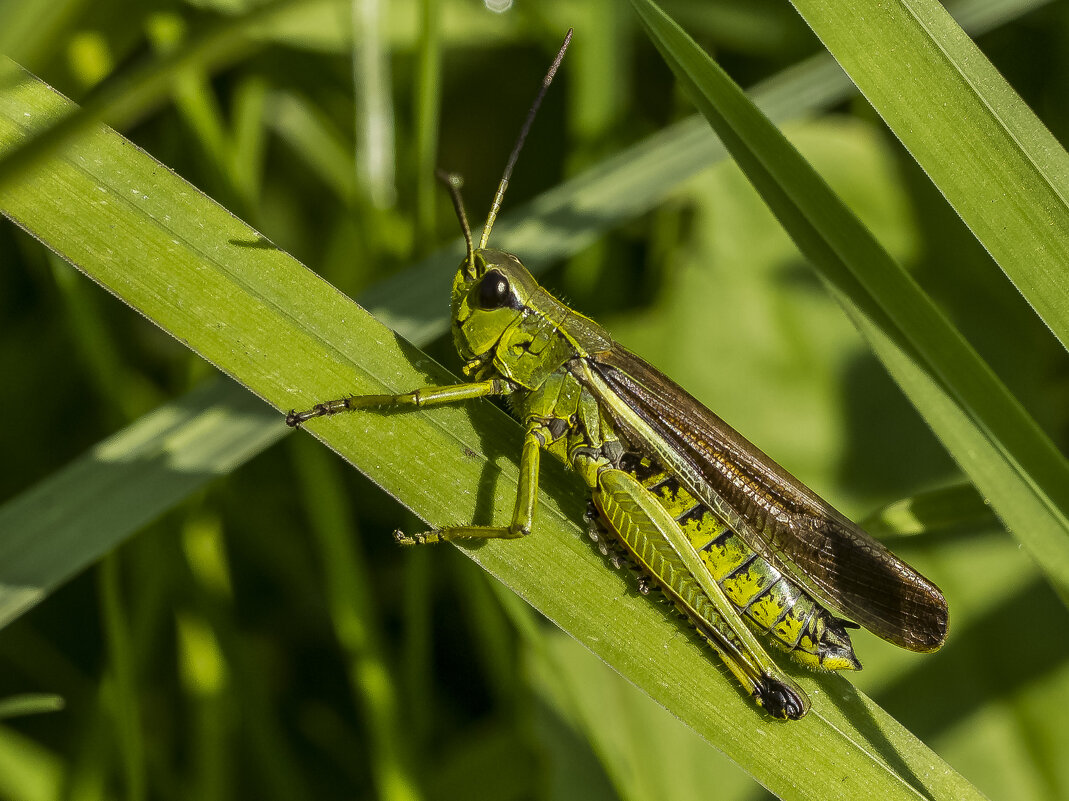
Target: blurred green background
[(266, 638)]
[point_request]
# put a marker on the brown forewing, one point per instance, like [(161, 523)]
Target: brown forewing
[(782, 519)]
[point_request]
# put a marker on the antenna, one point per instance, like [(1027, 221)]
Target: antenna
[(453, 183), (501, 187)]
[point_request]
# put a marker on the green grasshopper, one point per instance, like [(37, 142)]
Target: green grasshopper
[(731, 538)]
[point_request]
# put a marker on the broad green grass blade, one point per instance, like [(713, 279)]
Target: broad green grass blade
[(220, 288), (985, 150), (981, 424)]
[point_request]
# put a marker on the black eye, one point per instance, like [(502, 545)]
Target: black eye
[(494, 291)]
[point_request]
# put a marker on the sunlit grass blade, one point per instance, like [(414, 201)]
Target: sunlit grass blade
[(29, 704), (981, 424), (374, 111), (219, 287), (983, 148)]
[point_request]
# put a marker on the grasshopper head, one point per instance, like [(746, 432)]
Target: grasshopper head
[(491, 291)]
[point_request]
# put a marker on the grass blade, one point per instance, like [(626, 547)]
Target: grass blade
[(29, 704), (985, 150)]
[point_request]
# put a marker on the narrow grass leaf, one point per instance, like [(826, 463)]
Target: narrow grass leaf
[(29, 704), (374, 109), (983, 148), (954, 507)]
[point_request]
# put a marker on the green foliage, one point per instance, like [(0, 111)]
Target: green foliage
[(264, 637)]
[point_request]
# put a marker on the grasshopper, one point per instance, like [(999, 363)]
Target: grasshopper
[(733, 540)]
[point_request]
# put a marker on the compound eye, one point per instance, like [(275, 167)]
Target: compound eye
[(494, 291)]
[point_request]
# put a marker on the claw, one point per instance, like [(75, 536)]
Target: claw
[(403, 539), (423, 538)]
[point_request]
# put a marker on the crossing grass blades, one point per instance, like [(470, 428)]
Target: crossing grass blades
[(731, 538)]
